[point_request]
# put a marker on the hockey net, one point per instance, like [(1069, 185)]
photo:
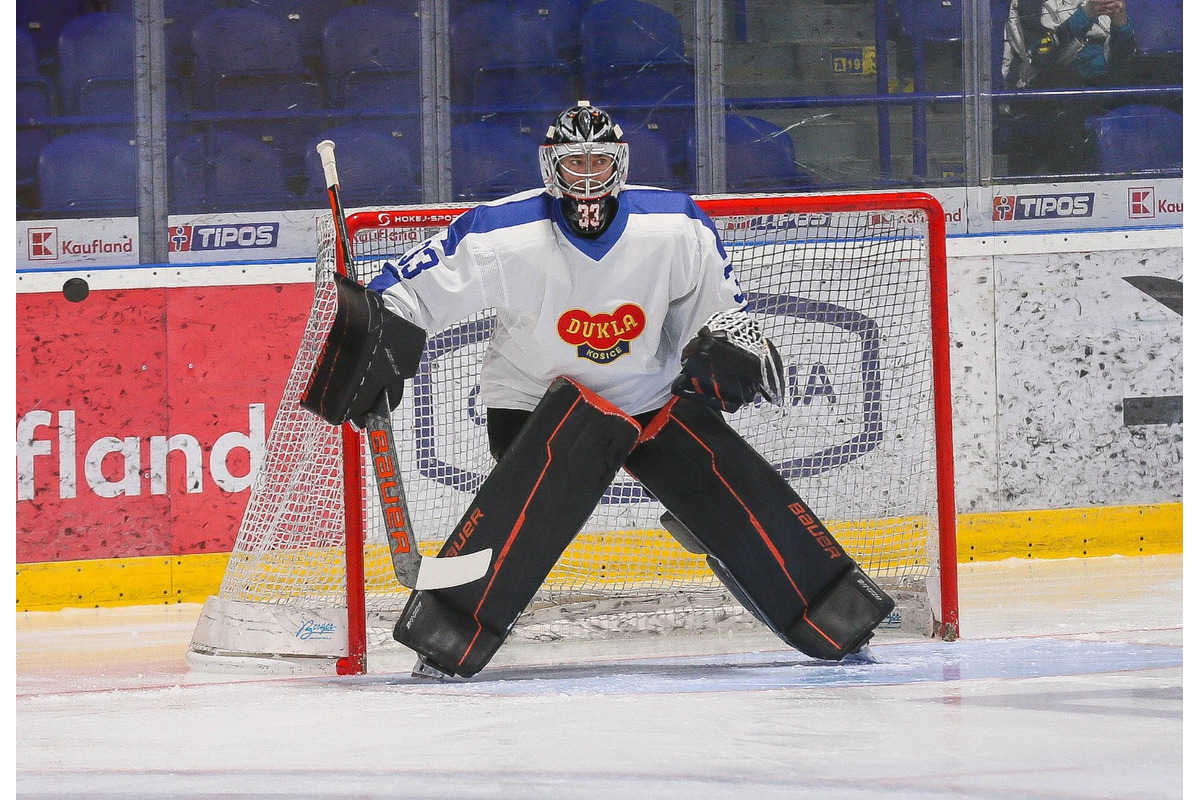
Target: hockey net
[(850, 288)]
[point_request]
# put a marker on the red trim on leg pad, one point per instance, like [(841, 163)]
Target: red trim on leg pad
[(655, 425), (527, 511), (594, 400)]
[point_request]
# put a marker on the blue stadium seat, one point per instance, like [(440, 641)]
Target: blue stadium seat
[(489, 160), (509, 59), (224, 170), (97, 74), (1158, 25), (627, 42), (564, 17), (634, 65), (628, 31), (760, 157), (43, 20), (248, 62), (931, 20), (41, 99), (240, 45), (1138, 138), (375, 165), (926, 22), (27, 58), (650, 161), (35, 99), (306, 19), (372, 57), (96, 64), (88, 174)]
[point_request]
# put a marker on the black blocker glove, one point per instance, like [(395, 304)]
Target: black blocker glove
[(369, 350)]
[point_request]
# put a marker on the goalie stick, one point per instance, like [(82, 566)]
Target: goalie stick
[(412, 569)]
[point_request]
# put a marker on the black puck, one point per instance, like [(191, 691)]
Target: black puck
[(76, 290)]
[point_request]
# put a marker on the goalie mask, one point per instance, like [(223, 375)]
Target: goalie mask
[(585, 162)]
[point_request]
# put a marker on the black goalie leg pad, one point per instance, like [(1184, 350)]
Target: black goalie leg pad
[(769, 548), (443, 635), (837, 624), (528, 510), (843, 619), (685, 537)]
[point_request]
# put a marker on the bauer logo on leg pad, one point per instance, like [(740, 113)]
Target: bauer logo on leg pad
[(815, 527), (458, 541)]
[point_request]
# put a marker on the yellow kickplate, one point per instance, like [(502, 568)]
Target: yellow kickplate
[(618, 557), (1072, 533)]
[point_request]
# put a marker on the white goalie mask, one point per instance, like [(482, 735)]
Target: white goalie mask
[(584, 156)]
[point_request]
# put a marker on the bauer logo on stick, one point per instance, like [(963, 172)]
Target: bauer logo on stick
[(393, 509)]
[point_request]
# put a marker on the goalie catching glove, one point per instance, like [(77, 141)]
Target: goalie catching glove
[(369, 350), (729, 363)]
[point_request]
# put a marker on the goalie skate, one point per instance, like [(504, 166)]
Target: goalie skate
[(863, 655), (428, 671)]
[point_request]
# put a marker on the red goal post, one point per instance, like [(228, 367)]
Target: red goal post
[(851, 289)]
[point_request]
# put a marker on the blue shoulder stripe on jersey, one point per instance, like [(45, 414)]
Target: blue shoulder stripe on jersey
[(479, 219), (483, 219), (651, 201), (388, 277)]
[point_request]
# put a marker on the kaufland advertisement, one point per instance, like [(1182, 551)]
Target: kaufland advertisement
[(143, 413)]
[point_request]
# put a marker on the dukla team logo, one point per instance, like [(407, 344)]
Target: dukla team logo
[(602, 338)]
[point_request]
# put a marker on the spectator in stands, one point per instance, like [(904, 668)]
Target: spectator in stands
[(1062, 44)]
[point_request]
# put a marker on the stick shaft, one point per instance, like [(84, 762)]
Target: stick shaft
[(407, 562)]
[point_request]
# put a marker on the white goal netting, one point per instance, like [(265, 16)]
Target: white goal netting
[(846, 297)]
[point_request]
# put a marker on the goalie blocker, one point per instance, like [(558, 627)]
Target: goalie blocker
[(369, 350)]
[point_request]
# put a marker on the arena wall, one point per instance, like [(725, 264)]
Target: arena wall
[(145, 392)]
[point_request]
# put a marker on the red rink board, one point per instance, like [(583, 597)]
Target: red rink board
[(190, 367)]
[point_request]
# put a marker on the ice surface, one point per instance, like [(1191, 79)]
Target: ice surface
[(1067, 683)]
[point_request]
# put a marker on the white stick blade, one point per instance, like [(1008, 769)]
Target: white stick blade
[(442, 573)]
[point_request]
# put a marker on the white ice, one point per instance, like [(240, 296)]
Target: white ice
[(1067, 683)]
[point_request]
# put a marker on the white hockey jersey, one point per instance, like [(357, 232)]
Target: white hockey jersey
[(612, 313)]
